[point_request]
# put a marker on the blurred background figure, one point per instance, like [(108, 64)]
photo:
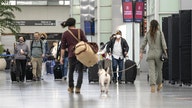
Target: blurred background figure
[(54, 49), (47, 52), (8, 52)]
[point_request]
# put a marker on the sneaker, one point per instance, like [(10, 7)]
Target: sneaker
[(119, 82), (159, 87), (77, 90), (65, 78), (38, 79), (70, 89), (114, 81), (22, 80), (34, 78)]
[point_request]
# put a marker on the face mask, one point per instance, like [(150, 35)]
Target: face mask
[(118, 36), (20, 40), (42, 38)]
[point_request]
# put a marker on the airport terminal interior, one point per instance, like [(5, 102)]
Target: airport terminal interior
[(99, 19)]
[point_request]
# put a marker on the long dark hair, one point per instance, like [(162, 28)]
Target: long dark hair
[(153, 28), (69, 22)]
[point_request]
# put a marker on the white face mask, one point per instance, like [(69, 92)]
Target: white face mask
[(118, 36)]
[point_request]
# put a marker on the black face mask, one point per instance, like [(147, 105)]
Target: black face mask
[(20, 41), (42, 38)]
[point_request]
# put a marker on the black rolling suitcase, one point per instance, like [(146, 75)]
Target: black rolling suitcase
[(131, 73), (29, 74), (13, 71), (93, 73), (57, 71)]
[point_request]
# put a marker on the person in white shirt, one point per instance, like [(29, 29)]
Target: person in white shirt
[(54, 49), (118, 48)]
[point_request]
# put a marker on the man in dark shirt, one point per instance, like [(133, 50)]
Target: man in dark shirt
[(68, 41)]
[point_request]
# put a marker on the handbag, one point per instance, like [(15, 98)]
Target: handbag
[(163, 57)]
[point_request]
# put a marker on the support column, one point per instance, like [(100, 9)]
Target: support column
[(98, 22), (103, 20), (156, 12), (137, 43), (75, 12)]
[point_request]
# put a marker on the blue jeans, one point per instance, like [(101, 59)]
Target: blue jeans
[(115, 63), (65, 66)]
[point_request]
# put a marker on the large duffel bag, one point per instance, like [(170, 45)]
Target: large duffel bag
[(85, 52)]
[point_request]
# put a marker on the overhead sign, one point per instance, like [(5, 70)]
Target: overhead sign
[(127, 6), (139, 8), (36, 22)]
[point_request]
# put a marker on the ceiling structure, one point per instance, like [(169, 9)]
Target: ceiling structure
[(39, 2)]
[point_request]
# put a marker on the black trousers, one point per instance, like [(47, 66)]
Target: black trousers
[(74, 63), (20, 69)]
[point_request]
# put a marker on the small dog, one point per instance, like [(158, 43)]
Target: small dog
[(104, 80)]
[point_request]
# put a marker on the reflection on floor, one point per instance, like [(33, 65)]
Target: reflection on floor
[(53, 94)]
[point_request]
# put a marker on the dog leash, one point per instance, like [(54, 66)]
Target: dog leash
[(127, 68), (123, 69)]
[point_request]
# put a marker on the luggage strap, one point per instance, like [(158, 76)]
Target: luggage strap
[(79, 37), (78, 40)]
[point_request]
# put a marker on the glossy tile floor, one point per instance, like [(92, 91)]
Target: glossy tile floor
[(53, 94)]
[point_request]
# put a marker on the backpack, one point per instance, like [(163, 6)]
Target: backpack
[(37, 46)]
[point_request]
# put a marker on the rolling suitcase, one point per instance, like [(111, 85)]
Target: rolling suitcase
[(131, 73), (57, 71), (29, 74), (13, 71), (93, 73)]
